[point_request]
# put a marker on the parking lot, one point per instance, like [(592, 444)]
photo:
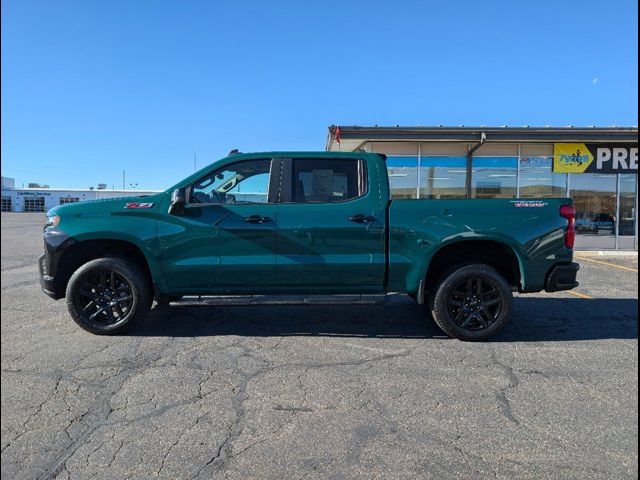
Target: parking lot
[(254, 389)]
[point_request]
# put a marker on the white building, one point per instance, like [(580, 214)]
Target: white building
[(42, 199)]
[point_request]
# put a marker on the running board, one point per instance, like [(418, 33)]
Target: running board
[(282, 300)]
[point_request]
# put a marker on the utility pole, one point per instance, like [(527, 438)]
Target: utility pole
[(123, 179)]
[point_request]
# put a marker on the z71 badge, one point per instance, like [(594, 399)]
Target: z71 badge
[(138, 205)]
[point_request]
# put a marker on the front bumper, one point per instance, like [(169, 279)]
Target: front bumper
[(55, 244), (46, 281), (562, 277)]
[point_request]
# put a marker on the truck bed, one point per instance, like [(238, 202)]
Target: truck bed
[(418, 229)]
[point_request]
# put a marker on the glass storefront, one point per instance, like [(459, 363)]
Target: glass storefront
[(443, 177), (594, 196), (628, 202), (403, 177), (494, 177), (537, 179)]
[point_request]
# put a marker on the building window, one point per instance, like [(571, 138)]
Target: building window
[(34, 204), (6, 204), (65, 200), (628, 214), (443, 177), (494, 177), (403, 177), (537, 179), (594, 196)]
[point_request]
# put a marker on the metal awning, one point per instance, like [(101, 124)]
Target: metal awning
[(353, 136)]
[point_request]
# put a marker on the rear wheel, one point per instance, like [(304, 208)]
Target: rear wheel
[(107, 295), (472, 302)]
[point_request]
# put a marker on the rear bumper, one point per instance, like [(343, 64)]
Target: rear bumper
[(562, 277)]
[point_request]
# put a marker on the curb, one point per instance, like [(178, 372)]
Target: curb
[(606, 253)]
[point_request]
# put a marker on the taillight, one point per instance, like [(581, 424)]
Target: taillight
[(569, 212)]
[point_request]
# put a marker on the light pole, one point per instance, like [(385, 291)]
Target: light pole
[(133, 186)]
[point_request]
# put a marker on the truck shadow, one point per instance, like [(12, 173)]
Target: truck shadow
[(535, 319)]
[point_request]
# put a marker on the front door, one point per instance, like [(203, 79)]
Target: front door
[(225, 241), (331, 224)]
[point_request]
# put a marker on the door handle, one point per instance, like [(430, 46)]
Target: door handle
[(256, 219), (360, 218)]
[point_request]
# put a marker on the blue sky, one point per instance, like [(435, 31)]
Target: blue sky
[(91, 88)]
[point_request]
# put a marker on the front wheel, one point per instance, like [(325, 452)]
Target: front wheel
[(472, 302), (107, 295)]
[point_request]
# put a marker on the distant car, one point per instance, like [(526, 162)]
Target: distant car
[(586, 227), (605, 223), (305, 223), (598, 224)]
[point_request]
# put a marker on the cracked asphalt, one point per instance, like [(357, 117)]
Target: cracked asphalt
[(251, 389)]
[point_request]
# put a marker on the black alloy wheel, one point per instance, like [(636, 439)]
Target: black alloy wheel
[(107, 295), (471, 302), (475, 303)]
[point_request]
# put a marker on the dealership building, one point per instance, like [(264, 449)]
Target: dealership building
[(43, 198), (597, 167)]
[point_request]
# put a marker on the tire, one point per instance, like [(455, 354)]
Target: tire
[(108, 295), (472, 302)]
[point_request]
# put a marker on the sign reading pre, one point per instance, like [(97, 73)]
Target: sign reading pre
[(595, 158)]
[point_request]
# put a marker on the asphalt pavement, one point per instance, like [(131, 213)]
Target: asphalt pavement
[(246, 388)]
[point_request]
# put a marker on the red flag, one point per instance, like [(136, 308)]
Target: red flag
[(337, 134)]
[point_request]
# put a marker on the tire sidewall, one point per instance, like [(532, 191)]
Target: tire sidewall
[(440, 302), (129, 272)]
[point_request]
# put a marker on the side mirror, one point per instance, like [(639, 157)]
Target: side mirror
[(178, 201)]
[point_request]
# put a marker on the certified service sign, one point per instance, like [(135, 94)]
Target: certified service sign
[(595, 158)]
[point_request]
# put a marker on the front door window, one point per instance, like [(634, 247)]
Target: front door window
[(241, 182)]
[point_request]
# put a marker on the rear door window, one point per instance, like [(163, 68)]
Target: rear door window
[(327, 180)]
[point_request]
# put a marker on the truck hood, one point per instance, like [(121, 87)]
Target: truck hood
[(108, 205)]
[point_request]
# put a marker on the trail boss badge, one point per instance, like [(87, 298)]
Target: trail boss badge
[(529, 203)]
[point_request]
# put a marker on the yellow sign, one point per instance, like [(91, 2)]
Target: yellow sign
[(571, 158)]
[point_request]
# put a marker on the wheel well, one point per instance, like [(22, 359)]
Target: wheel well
[(496, 254), (82, 252)]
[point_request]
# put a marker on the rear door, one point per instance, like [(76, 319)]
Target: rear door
[(331, 222)]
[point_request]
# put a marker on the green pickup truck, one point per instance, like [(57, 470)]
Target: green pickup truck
[(305, 223)]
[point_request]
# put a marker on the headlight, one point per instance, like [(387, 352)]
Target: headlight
[(52, 221)]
